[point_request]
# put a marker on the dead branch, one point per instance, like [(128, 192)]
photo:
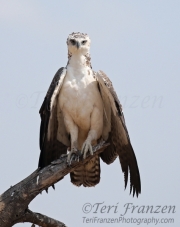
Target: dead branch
[(40, 219), (14, 202)]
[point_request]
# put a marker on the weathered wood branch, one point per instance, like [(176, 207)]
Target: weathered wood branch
[(14, 202), (40, 219)]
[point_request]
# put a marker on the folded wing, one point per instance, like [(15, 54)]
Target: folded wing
[(50, 147), (116, 131)]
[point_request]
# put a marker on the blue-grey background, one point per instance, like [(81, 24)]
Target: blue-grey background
[(137, 43)]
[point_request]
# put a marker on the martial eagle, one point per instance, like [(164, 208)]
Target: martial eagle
[(80, 109)]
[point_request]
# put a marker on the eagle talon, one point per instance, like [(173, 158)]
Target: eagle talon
[(73, 156), (85, 148)]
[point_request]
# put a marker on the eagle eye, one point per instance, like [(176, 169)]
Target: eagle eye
[(73, 42), (84, 42)]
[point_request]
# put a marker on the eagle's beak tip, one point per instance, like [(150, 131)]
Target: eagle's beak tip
[(77, 45)]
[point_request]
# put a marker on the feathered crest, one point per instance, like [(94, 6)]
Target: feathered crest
[(74, 35)]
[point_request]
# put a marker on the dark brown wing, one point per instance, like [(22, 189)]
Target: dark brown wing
[(50, 147), (119, 140)]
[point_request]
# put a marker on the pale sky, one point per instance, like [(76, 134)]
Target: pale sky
[(137, 44)]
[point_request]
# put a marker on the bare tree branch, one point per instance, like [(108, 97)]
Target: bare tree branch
[(40, 219), (14, 202)]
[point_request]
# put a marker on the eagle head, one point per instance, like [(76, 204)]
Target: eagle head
[(78, 43)]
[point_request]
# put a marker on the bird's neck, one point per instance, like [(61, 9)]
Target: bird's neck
[(77, 60)]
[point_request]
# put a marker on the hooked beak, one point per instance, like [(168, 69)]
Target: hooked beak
[(77, 45)]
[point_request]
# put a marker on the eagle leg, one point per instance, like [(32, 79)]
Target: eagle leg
[(86, 147)]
